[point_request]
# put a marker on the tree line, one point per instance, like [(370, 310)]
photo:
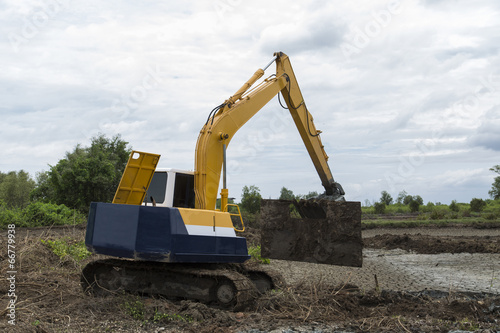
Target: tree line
[(93, 173), (251, 197), (415, 203), (66, 190)]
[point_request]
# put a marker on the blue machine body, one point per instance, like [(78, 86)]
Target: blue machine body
[(158, 234)]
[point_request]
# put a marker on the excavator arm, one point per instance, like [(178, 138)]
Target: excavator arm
[(225, 120)]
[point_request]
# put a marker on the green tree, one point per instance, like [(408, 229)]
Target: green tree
[(250, 199), (15, 188), (418, 199), (495, 187), (401, 197), (86, 174), (286, 194), (386, 198), (310, 195), (217, 202), (477, 205), (407, 199), (413, 201), (43, 190)]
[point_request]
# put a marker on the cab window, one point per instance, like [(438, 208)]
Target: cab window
[(184, 191), (157, 188)]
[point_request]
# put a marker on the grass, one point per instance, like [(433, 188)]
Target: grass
[(162, 317), (468, 324), (381, 223), (424, 220), (134, 307), (254, 252), (65, 247)]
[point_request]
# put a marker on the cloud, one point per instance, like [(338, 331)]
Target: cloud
[(424, 85), (487, 134), (313, 33)]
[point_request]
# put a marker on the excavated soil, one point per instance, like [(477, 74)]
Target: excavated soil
[(329, 232), (409, 282)]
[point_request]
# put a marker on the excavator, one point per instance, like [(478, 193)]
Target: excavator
[(163, 230)]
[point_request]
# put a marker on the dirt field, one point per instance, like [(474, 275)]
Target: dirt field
[(412, 280)]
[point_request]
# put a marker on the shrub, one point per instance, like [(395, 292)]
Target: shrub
[(9, 216), (465, 213), (453, 206), (490, 216), (477, 205), (38, 214), (429, 207), (379, 207), (46, 214), (437, 214), (367, 210), (414, 206), (400, 209), (250, 220), (254, 252), (492, 206)]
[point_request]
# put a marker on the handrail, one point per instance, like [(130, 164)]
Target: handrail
[(234, 214)]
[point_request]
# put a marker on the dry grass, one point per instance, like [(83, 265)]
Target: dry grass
[(48, 287), (373, 311)]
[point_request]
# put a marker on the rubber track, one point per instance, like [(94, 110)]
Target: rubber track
[(245, 293), (277, 280)]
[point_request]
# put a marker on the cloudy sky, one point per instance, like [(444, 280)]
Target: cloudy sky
[(406, 93)]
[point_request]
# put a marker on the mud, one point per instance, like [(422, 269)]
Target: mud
[(425, 244), (399, 270), (331, 234)]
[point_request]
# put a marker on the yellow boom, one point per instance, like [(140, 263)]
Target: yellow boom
[(225, 120)]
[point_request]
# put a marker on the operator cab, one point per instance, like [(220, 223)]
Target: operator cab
[(171, 188)]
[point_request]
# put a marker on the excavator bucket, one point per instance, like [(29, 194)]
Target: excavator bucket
[(319, 231)]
